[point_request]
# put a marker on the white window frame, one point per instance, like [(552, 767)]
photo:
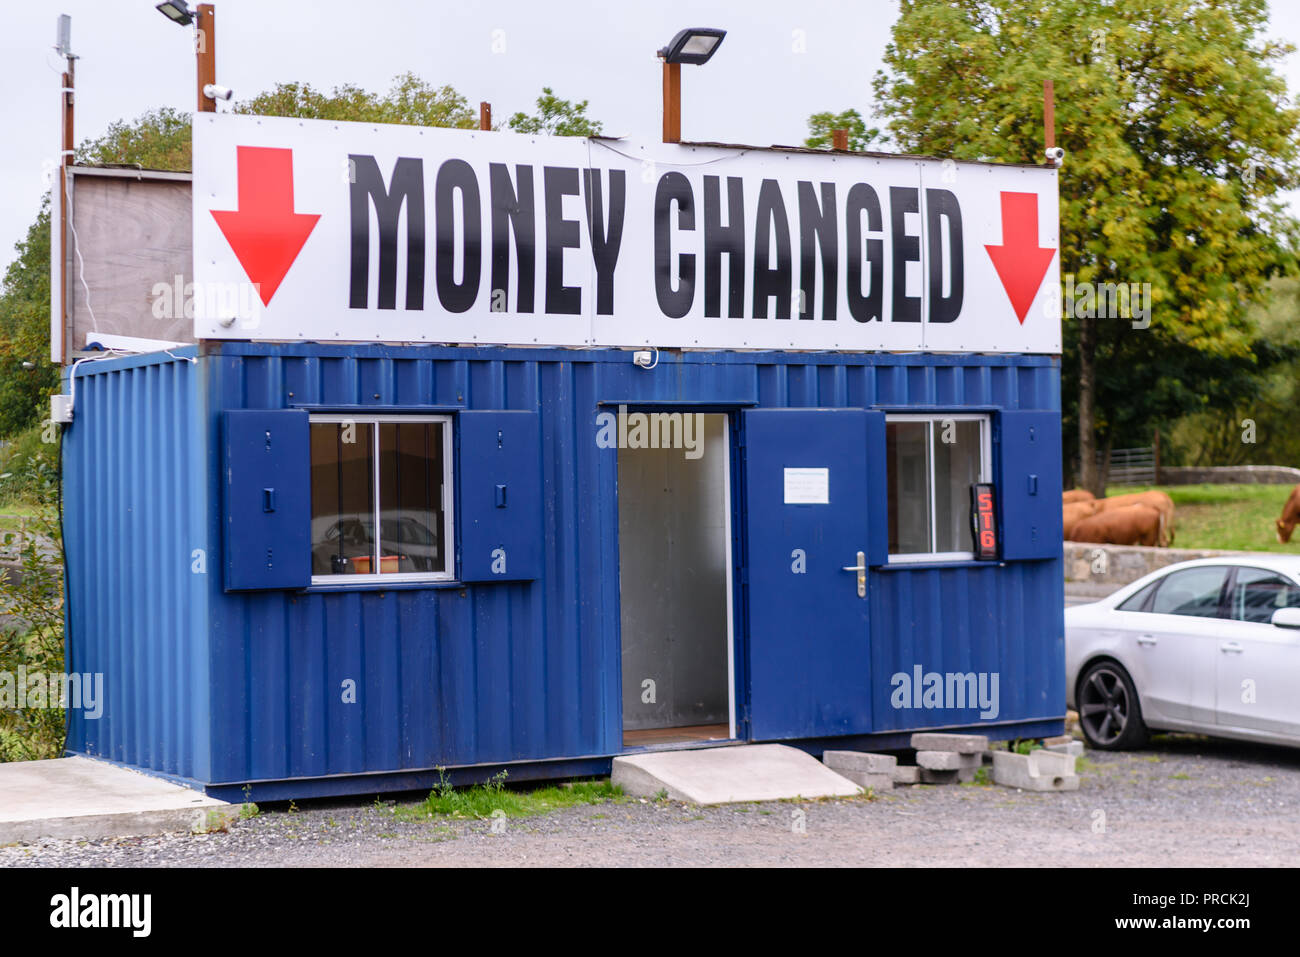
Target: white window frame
[(448, 499), (986, 475)]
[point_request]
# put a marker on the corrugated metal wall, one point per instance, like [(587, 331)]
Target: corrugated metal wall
[(453, 675), (501, 672), (133, 472)]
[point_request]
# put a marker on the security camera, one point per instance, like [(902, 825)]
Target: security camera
[(1055, 155), (214, 92)]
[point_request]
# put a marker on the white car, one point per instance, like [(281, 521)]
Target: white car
[(1210, 646)]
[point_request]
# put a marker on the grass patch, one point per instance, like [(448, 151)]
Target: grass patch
[(1230, 517), (480, 800)]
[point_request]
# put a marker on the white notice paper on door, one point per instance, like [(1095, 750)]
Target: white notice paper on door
[(807, 486)]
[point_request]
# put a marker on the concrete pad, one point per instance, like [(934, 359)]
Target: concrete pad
[(754, 772), (82, 798)]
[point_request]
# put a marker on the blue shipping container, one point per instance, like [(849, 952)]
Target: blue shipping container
[(570, 611)]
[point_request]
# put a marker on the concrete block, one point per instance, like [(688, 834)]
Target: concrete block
[(1059, 739), (909, 774), (1052, 762), (966, 775), (1039, 770), (961, 743), (875, 780), (842, 761), (1073, 748), (947, 760), (929, 776)]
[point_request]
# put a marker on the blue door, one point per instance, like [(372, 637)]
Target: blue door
[(815, 521)]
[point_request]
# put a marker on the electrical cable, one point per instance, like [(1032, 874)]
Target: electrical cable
[(81, 263), (643, 159)]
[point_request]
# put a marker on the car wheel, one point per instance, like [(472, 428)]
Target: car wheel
[(1109, 712)]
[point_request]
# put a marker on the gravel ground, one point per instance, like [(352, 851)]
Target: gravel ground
[(1185, 801)]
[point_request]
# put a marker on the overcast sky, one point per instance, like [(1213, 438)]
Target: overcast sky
[(780, 62)]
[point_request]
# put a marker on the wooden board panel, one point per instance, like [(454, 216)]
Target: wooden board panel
[(135, 240)]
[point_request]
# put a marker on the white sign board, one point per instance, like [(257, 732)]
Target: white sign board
[(315, 230), (807, 486)]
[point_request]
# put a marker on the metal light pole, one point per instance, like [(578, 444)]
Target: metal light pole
[(694, 45), (204, 18)]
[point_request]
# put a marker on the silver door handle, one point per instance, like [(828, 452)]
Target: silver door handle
[(1231, 648), (861, 569), (1146, 639)]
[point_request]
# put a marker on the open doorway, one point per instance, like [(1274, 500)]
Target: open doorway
[(674, 533)]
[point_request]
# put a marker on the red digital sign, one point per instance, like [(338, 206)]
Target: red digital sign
[(983, 521)]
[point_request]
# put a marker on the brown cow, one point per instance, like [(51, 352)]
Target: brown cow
[(1137, 524), (1154, 498), (1075, 512), (1290, 516), (1076, 495)]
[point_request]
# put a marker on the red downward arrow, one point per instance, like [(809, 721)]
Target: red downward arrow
[(265, 233), (1021, 263)]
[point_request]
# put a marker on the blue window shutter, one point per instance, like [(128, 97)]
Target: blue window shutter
[(1029, 484), (877, 490), (266, 506), (500, 485)]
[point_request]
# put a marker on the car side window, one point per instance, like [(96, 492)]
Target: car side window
[(1138, 601), (1257, 593), (1191, 591)]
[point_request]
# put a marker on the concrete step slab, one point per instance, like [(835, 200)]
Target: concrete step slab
[(755, 772), (87, 799)]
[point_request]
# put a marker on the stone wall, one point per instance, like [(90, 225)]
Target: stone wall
[(1229, 474), (1116, 565)]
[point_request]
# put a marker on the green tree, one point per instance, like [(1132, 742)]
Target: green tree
[(1254, 423), (556, 117), (25, 331), (160, 139), (410, 100), (820, 126), (1179, 137)]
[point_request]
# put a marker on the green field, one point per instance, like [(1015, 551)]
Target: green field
[(1234, 517)]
